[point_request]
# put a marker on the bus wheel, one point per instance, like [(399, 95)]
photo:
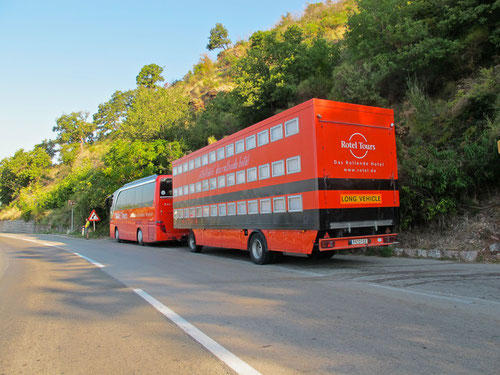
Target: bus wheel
[(193, 247), (117, 236), (258, 250), (140, 239)]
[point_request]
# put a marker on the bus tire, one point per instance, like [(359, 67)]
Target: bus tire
[(117, 235), (140, 238), (193, 247), (258, 249)]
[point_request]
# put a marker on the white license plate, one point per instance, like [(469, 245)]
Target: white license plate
[(360, 241)]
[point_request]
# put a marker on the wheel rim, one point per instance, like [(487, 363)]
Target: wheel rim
[(257, 249), (192, 244), (117, 234), (139, 236)]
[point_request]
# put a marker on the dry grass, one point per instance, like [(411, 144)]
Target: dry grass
[(12, 213), (475, 230)]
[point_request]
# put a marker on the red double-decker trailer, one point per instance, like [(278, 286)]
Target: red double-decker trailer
[(316, 178)]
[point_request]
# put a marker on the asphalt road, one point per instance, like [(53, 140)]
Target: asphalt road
[(348, 315)]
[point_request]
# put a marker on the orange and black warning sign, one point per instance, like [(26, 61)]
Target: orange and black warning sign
[(360, 198)]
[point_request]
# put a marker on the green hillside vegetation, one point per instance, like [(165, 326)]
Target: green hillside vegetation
[(435, 62)]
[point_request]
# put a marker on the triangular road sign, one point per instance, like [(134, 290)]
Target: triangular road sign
[(93, 216)]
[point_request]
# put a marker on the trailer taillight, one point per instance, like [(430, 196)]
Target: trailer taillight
[(160, 224), (327, 244)]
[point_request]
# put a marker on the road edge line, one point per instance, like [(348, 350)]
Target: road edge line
[(230, 359), (38, 242)]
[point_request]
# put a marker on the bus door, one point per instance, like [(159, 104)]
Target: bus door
[(165, 203)]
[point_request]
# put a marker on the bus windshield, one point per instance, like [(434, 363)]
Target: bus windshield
[(165, 187)]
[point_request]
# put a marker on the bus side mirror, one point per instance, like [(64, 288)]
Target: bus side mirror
[(109, 201)]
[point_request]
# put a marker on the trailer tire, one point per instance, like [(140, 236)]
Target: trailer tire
[(193, 247), (140, 238), (258, 249)]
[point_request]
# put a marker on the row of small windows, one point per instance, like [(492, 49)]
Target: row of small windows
[(251, 207), (261, 172), (260, 139)]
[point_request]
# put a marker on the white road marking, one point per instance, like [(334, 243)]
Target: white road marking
[(300, 272), (215, 348), (97, 264), (448, 297)]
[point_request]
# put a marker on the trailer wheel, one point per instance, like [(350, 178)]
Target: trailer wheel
[(117, 235), (140, 239), (258, 249), (193, 247)]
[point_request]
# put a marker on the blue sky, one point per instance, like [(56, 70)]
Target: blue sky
[(63, 56)]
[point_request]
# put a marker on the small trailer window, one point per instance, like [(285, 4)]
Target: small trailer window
[(263, 138), (240, 177), (279, 204), (222, 209), (220, 153), (251, 174), (253, 207), (295, 203), (264, 172), (230, 179), (276, 132), (221, 180), (265, 206), (242, 208), (240, 146), (212, 157), (278, 168), (250, 142), (292, 127)]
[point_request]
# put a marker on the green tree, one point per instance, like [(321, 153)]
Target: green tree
[(218, 119), (49, 146), (149, 76), (74, 128), (160, 113), (110, 115), (282, 69), (429, 40), (20, 170), (127, 161), (218, 38)]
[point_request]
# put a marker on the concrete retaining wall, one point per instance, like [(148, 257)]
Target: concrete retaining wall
[(466, 256), (21, 226), (17, 226)]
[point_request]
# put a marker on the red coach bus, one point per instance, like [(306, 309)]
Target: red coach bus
[(142, 211), (316, 178)]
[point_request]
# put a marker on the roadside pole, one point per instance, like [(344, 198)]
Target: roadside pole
[(72, 204)]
